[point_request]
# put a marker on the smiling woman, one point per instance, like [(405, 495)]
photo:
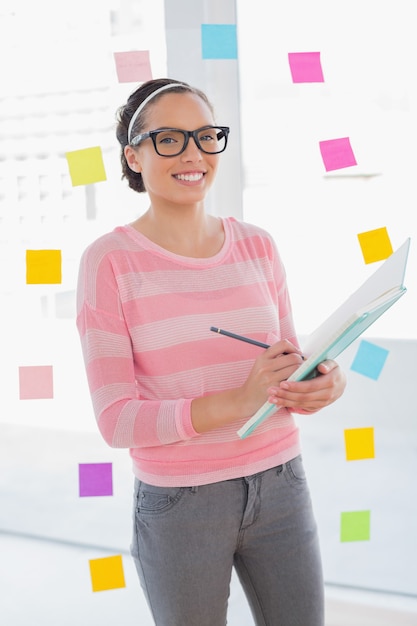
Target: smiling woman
[(137, 116), (59, 93), (177, 167), (163, 386)]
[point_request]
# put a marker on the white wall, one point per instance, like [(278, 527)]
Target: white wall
[(368, 51)]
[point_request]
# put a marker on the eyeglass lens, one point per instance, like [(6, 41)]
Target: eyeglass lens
[(172, 142)]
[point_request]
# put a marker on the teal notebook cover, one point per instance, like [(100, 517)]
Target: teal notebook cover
[(377, 294)]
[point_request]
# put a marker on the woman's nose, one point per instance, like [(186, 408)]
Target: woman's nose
[(192, 152)]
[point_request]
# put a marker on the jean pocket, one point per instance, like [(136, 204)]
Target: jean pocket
[(153, 500), (295, 473)]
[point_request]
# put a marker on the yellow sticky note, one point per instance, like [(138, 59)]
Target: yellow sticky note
[(86, 166), (107, 573), (359, 444), (43, 267), (375, 245)]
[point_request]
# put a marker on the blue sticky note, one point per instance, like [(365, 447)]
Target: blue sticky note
[(369, 360), (219, 41)]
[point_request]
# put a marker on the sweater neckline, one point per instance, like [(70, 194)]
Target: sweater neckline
[(149, 245)]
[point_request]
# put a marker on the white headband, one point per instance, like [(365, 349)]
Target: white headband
[(145, 102)]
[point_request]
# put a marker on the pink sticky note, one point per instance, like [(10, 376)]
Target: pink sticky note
[(337, 154), (305, 67), (36, 382), (95, 479), (133, 66)]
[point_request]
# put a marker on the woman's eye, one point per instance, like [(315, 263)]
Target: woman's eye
[(167, 139), (208, 138)]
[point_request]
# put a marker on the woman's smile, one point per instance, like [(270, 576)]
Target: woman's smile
[(189, 177)]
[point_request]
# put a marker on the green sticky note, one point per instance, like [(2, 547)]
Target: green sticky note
[(86, 166), (355, 526)]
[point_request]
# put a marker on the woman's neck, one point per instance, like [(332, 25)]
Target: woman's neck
[(187, 232)]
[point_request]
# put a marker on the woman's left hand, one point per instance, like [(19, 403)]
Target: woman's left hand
[(313, 394)]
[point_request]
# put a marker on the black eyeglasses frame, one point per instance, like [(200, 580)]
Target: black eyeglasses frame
[(152, 134)]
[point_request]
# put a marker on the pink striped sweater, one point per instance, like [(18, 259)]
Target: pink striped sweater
[(144, 317)]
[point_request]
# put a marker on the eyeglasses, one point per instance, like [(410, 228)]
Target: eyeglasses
[(170, 142)]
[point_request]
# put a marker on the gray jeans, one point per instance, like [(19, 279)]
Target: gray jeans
[(187, 539)]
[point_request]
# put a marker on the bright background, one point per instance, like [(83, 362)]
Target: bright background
[(59, 94)]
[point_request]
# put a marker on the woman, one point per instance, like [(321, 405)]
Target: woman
[(176, 394)]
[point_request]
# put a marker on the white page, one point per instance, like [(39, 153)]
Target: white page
[(388, 276)]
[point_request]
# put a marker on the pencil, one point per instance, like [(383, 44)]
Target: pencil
[(220, 331), (239, 337)]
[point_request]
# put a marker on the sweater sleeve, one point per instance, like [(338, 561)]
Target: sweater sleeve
[(125, 420), (285, 311), (283, 299)]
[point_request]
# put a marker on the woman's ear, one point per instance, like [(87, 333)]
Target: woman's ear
[(132, 159)]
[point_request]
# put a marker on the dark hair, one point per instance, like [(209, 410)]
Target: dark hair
[(126, 112)]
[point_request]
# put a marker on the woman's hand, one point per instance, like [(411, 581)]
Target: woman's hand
[(313, 394), (271, 367), (267, 380)]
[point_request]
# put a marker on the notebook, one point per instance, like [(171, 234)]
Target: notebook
[(375, 296)]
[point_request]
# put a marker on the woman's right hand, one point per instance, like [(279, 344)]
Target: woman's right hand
[(271, 367)]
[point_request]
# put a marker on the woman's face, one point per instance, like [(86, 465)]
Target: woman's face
[(183, 179)]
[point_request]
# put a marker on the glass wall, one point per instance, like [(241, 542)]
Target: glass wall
[(60, 92), (367, 93)]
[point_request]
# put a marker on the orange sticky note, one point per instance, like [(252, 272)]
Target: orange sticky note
[(107, 573), (86, 166), (133, 66), (359, 444), (375, 245), (43, 267), (36, 382)]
